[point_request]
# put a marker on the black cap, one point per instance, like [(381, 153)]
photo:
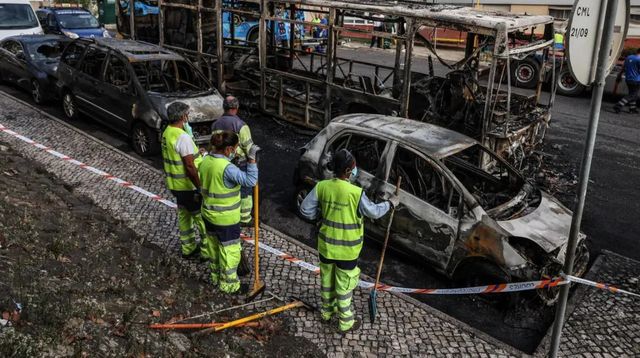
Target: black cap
[(342, 160)]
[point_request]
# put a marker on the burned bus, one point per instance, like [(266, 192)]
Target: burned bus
[(308, 81)]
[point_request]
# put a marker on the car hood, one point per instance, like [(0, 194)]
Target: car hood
[(90, 32), (202, 108), (548, 225)]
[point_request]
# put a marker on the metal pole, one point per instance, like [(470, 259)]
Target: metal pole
[(587, 156)]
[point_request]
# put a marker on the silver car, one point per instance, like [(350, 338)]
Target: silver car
[(464, 210)]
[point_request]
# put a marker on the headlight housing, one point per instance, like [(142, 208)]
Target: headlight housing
[(105, 33), (71, 35)]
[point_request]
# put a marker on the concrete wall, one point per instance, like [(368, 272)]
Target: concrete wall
[(530, 9)]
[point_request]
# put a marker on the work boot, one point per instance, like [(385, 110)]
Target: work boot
[(355, 327)]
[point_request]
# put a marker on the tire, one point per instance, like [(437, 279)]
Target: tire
[(69, 105), (253, 36), (526, 73), (36, 92), (481, 273), (144, 140), (567, 85), (301, 192)]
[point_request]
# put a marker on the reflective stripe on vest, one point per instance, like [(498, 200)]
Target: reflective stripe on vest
[(342, 230), (175, 174), (220, 205)]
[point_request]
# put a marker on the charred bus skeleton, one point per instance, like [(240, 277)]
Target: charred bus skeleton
[(309, 88)]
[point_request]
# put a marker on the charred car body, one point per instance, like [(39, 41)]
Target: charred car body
[(31, 61), (128, 85), (463, 209)]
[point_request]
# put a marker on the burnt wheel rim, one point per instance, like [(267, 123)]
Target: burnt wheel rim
[(524, 73), (567, 82), (302, 193), (69, 106), (35, 92), (140, 139)]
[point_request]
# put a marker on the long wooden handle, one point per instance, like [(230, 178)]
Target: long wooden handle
[(386, 237), (258, 316), (256, 234)]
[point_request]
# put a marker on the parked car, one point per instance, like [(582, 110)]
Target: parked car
[(478, 226), (17, 18), (31, 61), (71, 22), (128, 85)]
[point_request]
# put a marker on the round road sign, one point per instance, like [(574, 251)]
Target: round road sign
[(583, 37)]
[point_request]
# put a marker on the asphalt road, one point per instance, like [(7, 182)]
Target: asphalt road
[(610, 219)]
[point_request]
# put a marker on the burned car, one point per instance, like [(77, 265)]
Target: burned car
[(31, 61), (128, 85), (464, 210)]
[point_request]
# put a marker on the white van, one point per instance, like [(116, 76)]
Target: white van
[(18, 18)]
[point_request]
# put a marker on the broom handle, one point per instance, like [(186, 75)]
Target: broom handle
[(256, 233), (386, 237)]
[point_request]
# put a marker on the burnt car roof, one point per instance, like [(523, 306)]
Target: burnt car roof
[(135, 51), (435, 141), (36, 38)]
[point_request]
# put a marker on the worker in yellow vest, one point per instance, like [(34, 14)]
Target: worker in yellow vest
[(221, 184), (179, 155), (342, 207)]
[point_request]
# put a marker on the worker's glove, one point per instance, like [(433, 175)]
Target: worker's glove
[(253, 152), (394, 200)]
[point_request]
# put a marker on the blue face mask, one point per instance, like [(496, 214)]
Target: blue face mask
[(354, 174), (187, 128)]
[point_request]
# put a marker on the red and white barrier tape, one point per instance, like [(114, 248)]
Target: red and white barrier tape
[(498, 288), (94, 170)]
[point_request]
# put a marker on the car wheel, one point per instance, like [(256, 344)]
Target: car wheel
[(301, 193), (69, 105), (144, 140), (526, 73), (36, 92), (481, 273), (567, 85)]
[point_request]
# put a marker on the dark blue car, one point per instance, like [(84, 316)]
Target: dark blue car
[(31, 62), (70, 22)]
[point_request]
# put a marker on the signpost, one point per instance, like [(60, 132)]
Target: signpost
[(592, 33)]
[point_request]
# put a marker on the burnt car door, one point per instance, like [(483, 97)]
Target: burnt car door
[(427, 220), (118, 92), (14, 63), (88, 87), (368, 151)]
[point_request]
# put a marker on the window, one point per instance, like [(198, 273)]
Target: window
[(422, 180), (17, 16), (116, 72), (366, 150), (12, 46), (92, 62), (164, 76), (560, 13), (73, 54), (45, 51), (71, 19)]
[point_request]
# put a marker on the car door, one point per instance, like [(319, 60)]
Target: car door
[(369, 151), (119, 94), (427, 220), (15, 62), (88, 83)]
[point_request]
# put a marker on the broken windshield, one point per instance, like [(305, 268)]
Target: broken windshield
[(45, 51), (488, 178), (175, 77)]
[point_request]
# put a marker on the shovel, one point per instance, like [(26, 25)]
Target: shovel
[(373, 295), (258, 285)]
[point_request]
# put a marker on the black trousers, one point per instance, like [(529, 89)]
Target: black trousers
[(632, 97)]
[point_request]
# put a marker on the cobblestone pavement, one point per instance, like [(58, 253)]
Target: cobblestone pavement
[(404, 326), (603, 324)]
